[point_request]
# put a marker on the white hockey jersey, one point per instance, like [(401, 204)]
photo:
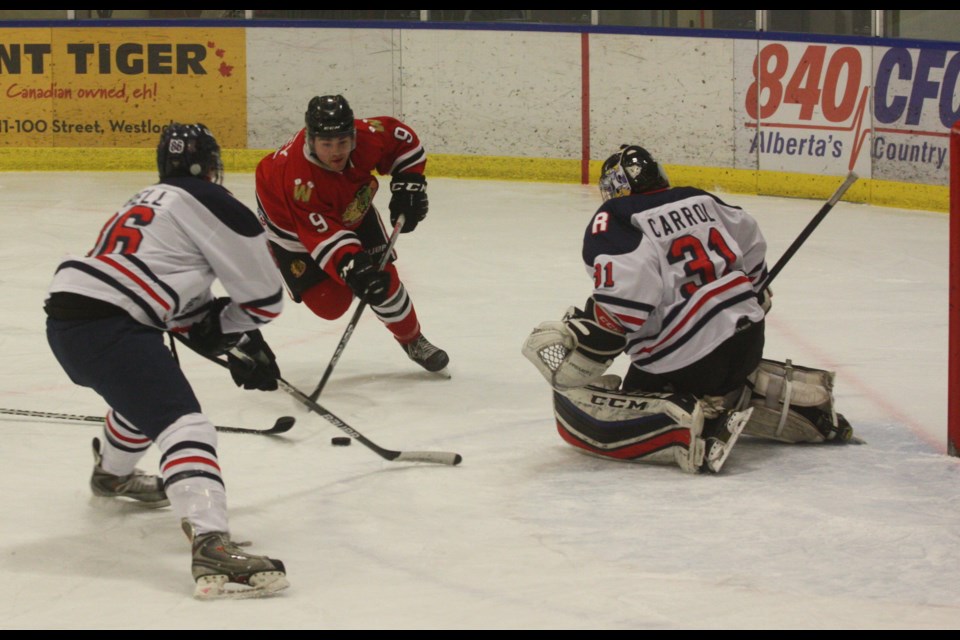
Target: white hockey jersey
[(158, 257), (678, 269)]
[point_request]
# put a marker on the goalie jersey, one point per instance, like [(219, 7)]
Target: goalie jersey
[(678, 269), (158, 257)]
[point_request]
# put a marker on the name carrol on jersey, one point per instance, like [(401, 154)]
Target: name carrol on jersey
[(677, 220)]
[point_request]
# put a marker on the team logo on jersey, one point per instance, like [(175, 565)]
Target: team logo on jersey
[(298, 268), (375, 125), (302, 192), (361, 202)]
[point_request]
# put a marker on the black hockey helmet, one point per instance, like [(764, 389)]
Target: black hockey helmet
[(631, 170), (329, 117), (189, 150)]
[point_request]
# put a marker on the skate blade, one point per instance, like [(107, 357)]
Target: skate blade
[(127, 500), (262, 585), (718, 453)]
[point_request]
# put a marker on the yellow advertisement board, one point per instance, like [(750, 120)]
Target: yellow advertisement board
[(119, 87)]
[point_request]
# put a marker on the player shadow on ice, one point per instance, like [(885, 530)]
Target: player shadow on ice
[(112, 530), (751, 454), (356, 385)]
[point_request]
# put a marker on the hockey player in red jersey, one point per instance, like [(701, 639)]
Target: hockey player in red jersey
[(151, 271), (677, 277), (315, 197)]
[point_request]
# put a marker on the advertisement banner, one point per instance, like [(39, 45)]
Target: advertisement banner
[(115, 87), (803, 107), (915, 103), (826, 109)]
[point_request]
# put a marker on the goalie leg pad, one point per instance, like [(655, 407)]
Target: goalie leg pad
[(658, 428), (794, 404)]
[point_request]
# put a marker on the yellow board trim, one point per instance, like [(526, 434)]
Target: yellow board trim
[(884, 193)]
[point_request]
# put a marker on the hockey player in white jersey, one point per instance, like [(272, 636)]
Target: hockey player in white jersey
[(151, 271), (677, 276)]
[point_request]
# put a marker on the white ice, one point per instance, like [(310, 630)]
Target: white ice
[(526, 533)]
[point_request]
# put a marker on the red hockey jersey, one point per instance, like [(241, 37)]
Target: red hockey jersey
[(306, 207)]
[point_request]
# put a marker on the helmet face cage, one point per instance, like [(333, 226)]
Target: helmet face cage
[(329, 117), (614, 182), (189, 150), (631, 170)]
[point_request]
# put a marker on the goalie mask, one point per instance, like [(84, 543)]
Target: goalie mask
[(189, 150), (630, 171)]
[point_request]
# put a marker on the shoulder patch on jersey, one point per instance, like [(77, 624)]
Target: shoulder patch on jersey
[(610, 232), (302, 190), (360, 203), (375, 125)]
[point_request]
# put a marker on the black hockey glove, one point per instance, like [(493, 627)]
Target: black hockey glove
[(260, 370), (596, 337), (409, 199), (206, 336), (362, 276)]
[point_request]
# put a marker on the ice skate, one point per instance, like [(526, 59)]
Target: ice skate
[(222, 569), (426, 355), (138, 486), (721, 437)]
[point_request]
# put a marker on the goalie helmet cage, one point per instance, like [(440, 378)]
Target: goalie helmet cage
[(953, 371)]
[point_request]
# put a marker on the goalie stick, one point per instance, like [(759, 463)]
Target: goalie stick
[(282, 425), (817, 219), (356, 314)]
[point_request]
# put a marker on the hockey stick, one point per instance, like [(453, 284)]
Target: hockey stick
[(282, 425), (824, 210), (356, 314), (438, 457)]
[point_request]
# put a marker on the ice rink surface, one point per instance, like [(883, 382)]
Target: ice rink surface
[(526, 533)]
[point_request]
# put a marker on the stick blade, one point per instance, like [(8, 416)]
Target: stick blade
[(434, 457), (282, 425)]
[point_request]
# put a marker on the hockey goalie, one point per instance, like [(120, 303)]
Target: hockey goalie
[(677, 278)]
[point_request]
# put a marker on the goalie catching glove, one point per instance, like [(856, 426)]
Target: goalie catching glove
[(409, 199), (577, 350)]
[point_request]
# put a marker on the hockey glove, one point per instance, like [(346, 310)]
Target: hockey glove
[(577, 350), (765, 298), (206, 336), (362, 276), (259, 370), (409, 199)]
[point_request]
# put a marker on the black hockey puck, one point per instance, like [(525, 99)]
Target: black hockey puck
[(340, 442)]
